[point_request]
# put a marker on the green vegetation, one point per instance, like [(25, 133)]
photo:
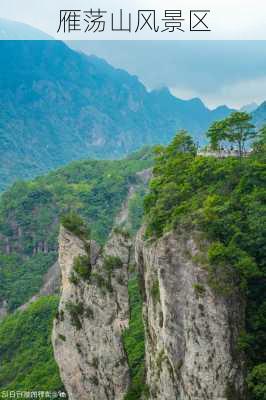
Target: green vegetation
[(82, 267), (199, 289), (112, 262), (90, 191), (133, 339), (76, 312), (236, 129), (104, 280), (225, 200), (87, 108), (100, 281), (259, 145), (257, 382), (121, 230), (21, 278), (27, 361), (75, 224), (155, 291), (161, 357), (135, 214)]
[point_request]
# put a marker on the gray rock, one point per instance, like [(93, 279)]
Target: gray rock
[(3, 309), (90, 353), (191, 331), (51, 285)]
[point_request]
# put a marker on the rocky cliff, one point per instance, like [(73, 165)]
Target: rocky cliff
[(93, 312), (191, 331), (51, 285)]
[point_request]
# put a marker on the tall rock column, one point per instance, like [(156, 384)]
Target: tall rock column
[(93, 312), (191, 330)]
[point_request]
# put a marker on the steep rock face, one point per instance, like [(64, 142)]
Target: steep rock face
[(51, 285), (191, 331), (92, 316), (3, 309), (123, 218)]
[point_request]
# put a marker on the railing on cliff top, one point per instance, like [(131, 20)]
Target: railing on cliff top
[(222, 153)]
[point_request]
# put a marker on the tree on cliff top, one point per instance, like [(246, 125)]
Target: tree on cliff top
[(236, 129)]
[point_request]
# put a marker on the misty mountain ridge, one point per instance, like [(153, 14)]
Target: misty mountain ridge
[(58, 105), (13, 30), (249, 107)]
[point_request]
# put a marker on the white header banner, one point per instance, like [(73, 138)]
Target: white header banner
[(134, 20)]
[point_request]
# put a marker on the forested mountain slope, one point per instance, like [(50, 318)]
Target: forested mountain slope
[(29, 225), (27, 362), (30, 213), (211, 214), (57, 105)]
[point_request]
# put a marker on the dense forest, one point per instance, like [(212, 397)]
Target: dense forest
[(27, 361), (30, 213)]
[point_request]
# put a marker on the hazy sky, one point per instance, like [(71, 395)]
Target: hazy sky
[(219, 72), (237, 19)]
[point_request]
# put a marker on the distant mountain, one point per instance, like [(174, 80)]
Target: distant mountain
[(11, 30), (249, 107), (259, 115), (57, 105)]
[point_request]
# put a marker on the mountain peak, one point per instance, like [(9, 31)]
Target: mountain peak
[(197, 101), (13, 30), (66, 105)]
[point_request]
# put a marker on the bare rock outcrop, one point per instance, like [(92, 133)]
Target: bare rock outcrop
[(3, 309), (93, 312), (191, 330), (51, 285)]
